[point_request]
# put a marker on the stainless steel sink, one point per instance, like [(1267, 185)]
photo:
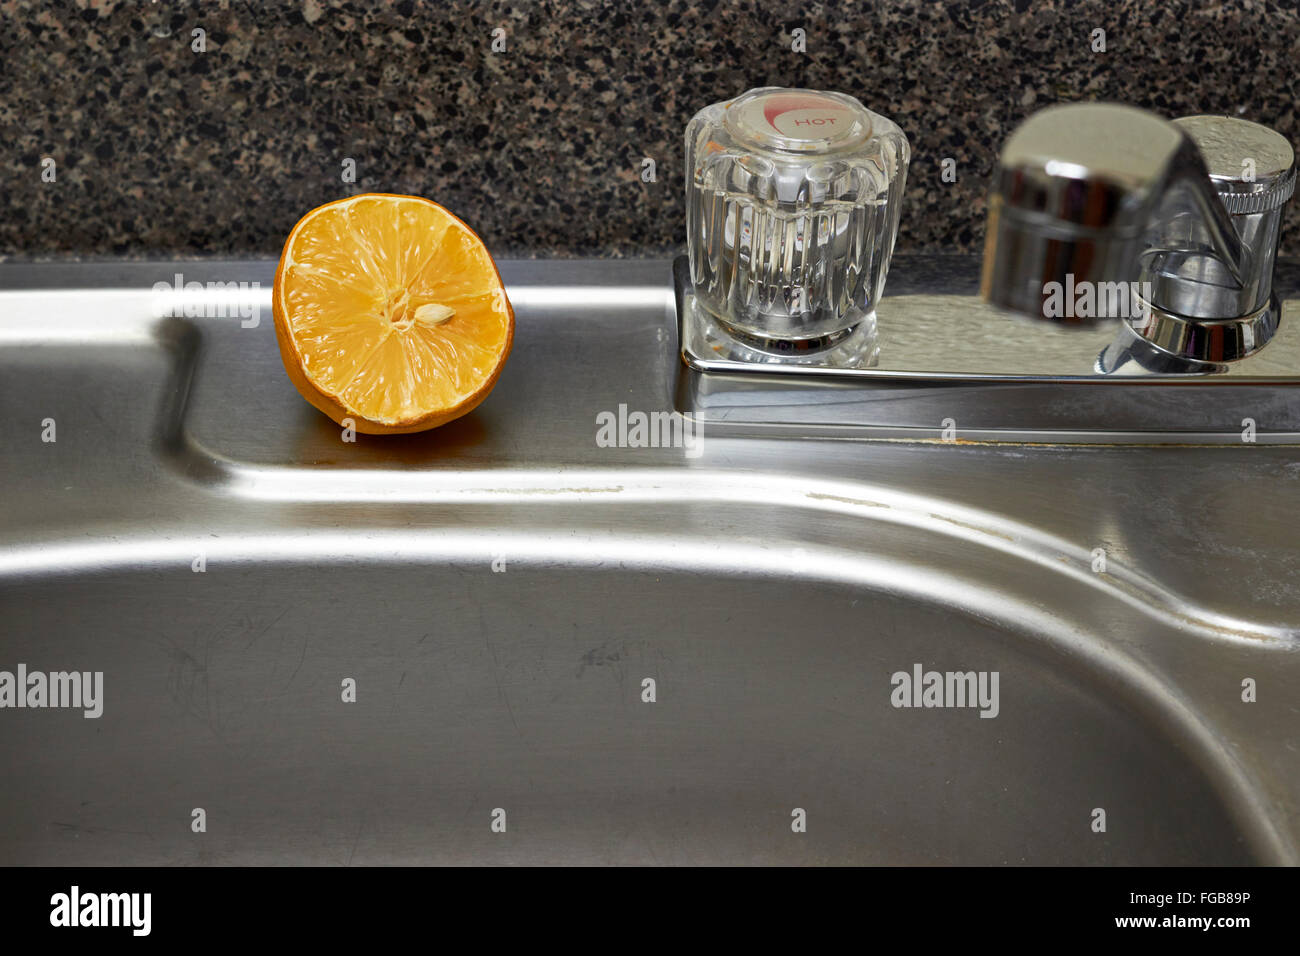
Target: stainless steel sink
[(501, 588)]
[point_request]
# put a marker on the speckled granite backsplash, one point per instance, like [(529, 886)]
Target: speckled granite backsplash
[(159, 150)]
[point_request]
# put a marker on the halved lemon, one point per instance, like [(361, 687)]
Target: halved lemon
[(389, 311)]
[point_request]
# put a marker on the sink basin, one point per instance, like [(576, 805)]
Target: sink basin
[(500, 591)]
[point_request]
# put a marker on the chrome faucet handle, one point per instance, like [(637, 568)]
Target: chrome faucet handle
[(1251, 166), (1128, 207), (1199, 311)]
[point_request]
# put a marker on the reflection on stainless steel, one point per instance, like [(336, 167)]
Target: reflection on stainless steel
[(1189, 212), (479, 689)]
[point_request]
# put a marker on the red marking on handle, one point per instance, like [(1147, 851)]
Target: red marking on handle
[(786, 102)]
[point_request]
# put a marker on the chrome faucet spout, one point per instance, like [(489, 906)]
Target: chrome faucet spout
[(1191, 180)]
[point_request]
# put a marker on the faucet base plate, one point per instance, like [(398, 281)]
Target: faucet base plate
[(945, 337)]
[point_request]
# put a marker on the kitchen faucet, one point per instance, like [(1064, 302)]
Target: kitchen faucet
[(1148, 245), (1172, 227)]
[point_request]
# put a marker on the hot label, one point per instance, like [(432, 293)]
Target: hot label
[(796, 115)]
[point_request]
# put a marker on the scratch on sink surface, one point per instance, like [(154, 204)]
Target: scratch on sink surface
[(301, 658), (496, 668), (355, 841), (974, 527), (189, 688), (613, 489), (394, 699), (820, 496), (257, 633), (76, 829)]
